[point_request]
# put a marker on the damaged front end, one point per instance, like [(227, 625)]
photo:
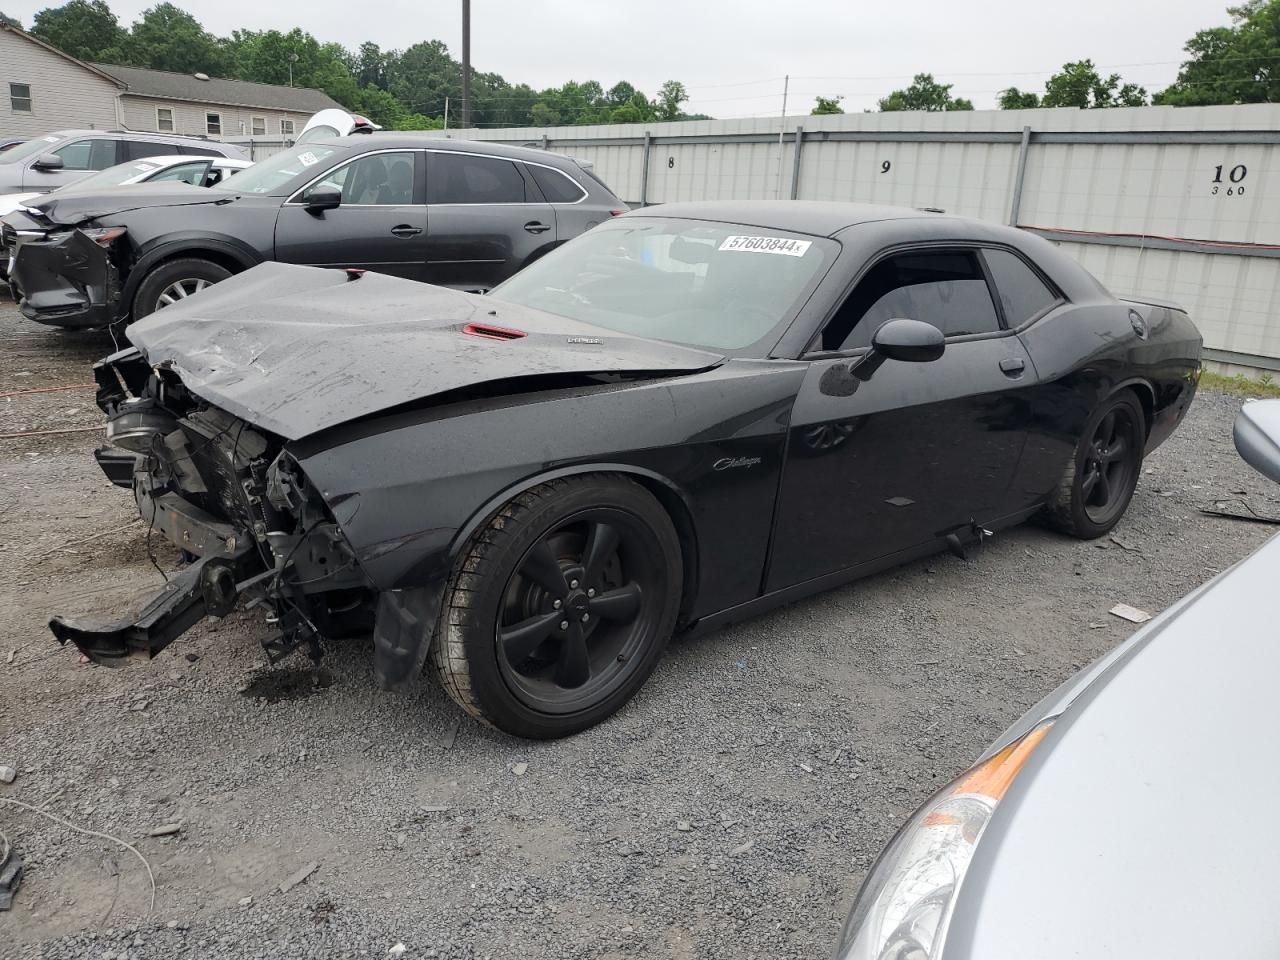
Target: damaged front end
[(67, 277), (238, 506)]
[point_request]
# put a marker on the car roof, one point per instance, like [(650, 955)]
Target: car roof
[(823, 218), (171, 159), (137, 135), (392, 140)]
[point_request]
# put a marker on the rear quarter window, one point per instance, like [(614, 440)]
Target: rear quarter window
[(1023, 295), (555, 186)]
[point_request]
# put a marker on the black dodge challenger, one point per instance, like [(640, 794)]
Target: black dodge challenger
[(687, 415)]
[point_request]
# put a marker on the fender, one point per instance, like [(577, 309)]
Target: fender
[(175, 245), (495, 503), (678, 503)]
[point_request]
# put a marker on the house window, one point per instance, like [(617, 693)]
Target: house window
[(164, 119), (213, 124), (258, 126), (286, 128), (20, 97)]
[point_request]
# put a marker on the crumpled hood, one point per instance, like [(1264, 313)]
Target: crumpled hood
[(68, 206), (296, 350)]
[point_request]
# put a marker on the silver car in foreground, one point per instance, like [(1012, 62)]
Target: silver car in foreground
[(1128, 814)]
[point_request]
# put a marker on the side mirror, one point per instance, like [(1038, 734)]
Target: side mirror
[(908, 341), (48, 161), (1257, 436), (911, 341), (322, 198)]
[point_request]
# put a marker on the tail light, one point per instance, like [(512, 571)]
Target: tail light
[(616, 213)]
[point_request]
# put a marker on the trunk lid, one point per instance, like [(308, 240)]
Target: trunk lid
[(296, 350)]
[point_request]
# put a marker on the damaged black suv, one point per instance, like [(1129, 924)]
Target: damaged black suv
[(459, 214)]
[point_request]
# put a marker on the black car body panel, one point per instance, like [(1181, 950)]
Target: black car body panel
[(295, 351), (360, 409), (430, 233)]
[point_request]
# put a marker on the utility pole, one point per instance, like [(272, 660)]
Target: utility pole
[(446, 113), (786, 88), (466, 64)]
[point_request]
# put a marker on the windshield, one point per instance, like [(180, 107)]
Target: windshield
[(703, 284), (114, 176), (274, 174), (29, 149)]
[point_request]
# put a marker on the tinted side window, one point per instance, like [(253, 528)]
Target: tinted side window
[(1022, 293), (555, 186), (141, 149), (75, 155), (946, 289), (380, 178), (459, 178), (190, 151)]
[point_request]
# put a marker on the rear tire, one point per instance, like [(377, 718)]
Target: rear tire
[(174, 281), (1100, 478), (560, 606)]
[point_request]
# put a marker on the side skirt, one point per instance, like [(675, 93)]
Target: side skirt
[(798, 591)]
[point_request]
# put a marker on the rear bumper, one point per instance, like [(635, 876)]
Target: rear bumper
[(66, 281)]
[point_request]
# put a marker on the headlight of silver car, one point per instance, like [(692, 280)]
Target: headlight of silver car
[(905, 903)]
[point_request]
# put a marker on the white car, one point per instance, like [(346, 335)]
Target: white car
[(335, 123), (198, 171)]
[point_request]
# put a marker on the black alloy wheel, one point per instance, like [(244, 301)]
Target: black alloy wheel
[(1109, 466), (1098, 483), (577, 610), (560, 606)]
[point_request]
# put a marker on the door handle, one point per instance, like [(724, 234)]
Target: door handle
[(534, 226), (405, 230), (1012, 367)]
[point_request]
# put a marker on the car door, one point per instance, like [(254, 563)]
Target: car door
[(487, 219), (918, 451), (380, 225), (79, 157)]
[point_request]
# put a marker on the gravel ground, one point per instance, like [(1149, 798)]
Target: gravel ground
[(729, 811)]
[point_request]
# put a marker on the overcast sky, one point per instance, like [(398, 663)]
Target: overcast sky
[(732, 55)]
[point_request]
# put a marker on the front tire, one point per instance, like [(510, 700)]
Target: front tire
[(174, 281), (1099, 481), (560, 606)]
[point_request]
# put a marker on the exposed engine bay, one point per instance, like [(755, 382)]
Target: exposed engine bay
[(237, 505)]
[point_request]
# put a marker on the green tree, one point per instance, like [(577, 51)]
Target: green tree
[(924, 93), (1235, 64), (368, 65), (1015, 99), (85, 29), (168, 38), (543, 115), (620, 93), (670, 96), (1080, 85), (11, 21), (826, 105)]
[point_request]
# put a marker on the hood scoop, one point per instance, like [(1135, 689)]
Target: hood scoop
[(489, 331)]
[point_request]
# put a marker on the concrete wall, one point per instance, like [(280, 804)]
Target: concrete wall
[(1135, 194), (189, 118), (63, 95)]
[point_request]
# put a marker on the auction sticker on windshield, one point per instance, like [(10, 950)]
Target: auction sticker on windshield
[(782, 245)]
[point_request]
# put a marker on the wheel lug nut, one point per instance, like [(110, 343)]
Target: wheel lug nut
[(573, 584), (556, 605), (586, 617), (564, 624), (591, 592)]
